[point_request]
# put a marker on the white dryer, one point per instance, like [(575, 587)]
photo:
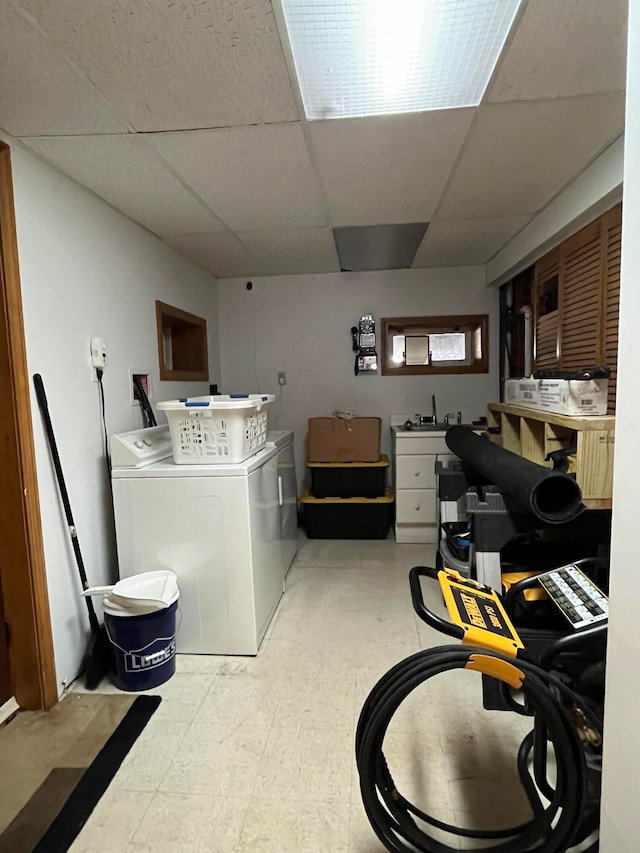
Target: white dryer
[(218, 527), (282, 440)]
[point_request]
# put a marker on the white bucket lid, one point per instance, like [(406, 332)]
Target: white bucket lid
[(140, 594)]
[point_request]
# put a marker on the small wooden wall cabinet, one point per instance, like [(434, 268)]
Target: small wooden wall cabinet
[(533, 434)]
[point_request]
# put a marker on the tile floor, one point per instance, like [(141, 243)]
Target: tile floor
[(256, 754)]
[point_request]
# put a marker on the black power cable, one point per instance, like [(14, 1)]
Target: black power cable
[(148, 418), (569, 817), (103, 418)]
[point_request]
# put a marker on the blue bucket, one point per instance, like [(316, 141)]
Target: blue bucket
[(143, 648)]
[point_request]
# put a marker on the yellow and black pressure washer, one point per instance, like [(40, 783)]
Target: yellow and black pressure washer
[(565, 809)]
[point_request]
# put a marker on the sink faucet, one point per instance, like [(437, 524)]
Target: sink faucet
[(426, 419), (456, 415)]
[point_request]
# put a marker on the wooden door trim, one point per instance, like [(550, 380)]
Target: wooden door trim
[(24, 583)]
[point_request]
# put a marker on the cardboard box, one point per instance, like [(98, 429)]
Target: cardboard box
[(560, 396), (344, 440), (522, 392)]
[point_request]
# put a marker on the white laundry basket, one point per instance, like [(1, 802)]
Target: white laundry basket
[(223, 428)]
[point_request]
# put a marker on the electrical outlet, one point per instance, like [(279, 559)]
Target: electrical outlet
[(98, 353), (282, 378)]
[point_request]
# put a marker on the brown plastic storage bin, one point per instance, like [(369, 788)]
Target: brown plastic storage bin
[(344, 440)]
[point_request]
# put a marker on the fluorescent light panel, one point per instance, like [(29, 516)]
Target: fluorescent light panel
[(374, 57)]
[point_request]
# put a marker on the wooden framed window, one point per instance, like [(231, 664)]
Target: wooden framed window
[(182, 344), (413, 346)]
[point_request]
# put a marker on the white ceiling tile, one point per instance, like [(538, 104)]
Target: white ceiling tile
[(572, 47), (298, 250), (463, 242), (387, 169), (40, 93), (219, 253), (519, 155), (127, 172), (172, 65), (254, 178)]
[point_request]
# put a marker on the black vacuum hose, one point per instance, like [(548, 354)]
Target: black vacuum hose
[(556, 826), (551, 496)]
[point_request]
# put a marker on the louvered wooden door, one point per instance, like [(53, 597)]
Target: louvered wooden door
[(583, 330), (612, 237), (580, 299), (547, 286)]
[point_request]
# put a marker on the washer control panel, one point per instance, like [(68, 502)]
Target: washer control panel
[(140, 447)]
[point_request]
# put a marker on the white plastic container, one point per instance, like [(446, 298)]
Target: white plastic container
[(213, 430)]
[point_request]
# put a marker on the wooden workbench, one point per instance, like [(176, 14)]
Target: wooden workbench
[(533, 434)]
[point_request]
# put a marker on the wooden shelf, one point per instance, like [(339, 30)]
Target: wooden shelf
[(533, 434), (597, 422)]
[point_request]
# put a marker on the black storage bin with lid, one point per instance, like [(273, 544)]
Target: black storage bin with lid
[(348, 518), (349, 479)]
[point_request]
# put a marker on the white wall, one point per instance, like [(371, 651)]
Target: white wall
[(301, 325), (621, 782), (87, 270)]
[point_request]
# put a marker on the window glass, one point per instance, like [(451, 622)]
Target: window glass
[(416, 349), (397, 350), (448, 347)]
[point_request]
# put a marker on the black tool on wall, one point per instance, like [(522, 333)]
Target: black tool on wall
[(97, 655), (583, 374)]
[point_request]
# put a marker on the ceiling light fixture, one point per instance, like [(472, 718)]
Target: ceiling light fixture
[(375, 57)]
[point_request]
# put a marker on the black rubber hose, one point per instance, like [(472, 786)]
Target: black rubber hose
[(552, 497), (555, 826)]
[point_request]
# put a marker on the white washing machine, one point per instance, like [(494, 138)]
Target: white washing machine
[(218, 527)]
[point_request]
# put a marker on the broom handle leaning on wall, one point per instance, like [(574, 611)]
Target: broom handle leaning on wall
[(53, 447)]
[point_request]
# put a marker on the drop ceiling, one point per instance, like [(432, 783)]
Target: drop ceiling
[(186, 117)]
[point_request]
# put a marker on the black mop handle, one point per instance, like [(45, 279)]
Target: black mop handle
[(53, 447)]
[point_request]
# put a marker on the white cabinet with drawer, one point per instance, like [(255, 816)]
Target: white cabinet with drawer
[(415, 472), (415, 456), (416, 506)]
